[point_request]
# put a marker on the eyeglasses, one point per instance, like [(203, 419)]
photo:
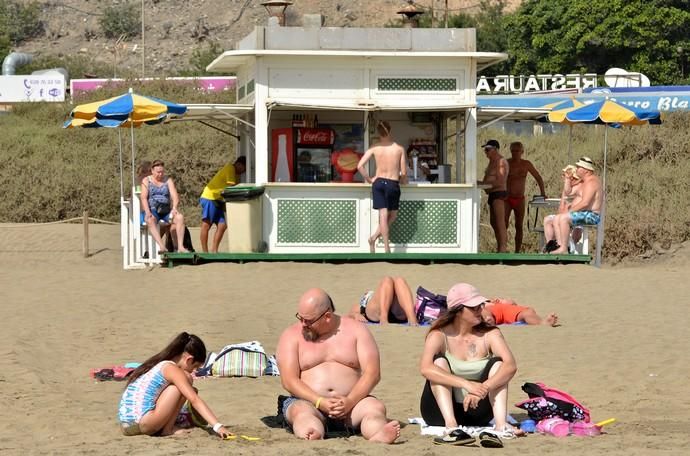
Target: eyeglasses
[(310, 322)]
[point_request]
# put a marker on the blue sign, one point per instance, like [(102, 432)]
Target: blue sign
[(661, 98)]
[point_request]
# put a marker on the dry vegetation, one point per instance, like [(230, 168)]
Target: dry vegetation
[(48, 173), (648, 207)]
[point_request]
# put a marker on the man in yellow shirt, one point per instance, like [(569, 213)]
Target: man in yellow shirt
[(213, 205)]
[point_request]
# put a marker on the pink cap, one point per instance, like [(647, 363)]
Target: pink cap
[(464, 294)]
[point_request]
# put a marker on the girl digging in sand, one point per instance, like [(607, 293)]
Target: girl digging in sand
[(158, 388)]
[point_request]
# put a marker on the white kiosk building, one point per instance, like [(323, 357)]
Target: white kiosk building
[(422, 81)]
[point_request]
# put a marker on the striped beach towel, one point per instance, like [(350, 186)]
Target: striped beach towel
[(240, 360)]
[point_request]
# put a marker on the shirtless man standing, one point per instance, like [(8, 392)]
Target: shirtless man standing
[(390, 169), (496, 175), (584, 211), (330, 365), (517, 178)]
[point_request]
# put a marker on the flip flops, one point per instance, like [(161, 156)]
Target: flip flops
[(490, 440), (551, 246), (455, 437)]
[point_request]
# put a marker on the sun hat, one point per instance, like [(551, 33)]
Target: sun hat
[(586, 163), (492, 143), (464, 294), (570, 171)]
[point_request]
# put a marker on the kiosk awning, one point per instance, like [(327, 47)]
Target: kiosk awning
[(365, 105), (216, 111), (488, 116)]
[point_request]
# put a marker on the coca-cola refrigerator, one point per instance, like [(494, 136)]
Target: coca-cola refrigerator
[(302, 154)]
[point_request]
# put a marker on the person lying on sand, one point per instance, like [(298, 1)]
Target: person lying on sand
[(330, 365), (506, 311), (157, 390), (392, 298)]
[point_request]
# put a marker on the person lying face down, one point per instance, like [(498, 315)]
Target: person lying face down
[(392, 299), (506, 311)]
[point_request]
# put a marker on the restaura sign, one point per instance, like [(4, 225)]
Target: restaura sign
[(28, 87), (535, 83)]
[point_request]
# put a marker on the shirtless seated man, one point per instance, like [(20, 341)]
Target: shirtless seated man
[(506, 311), (392, 298), (330, 365), (585, 211)]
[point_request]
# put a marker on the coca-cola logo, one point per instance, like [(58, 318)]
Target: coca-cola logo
[(315, 137)]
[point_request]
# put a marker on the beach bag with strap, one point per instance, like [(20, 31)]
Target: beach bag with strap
[(239, 362), (428, 306), (546, 402)]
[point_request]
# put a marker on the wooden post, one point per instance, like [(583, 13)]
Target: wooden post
[(85, 245)]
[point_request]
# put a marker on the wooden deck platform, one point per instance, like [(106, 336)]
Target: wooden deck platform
[(173, 259)]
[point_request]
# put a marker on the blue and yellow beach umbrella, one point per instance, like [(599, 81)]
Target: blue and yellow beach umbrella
[(605, 112), (125, 110)]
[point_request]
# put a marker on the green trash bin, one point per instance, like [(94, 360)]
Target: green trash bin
[(243, 216)]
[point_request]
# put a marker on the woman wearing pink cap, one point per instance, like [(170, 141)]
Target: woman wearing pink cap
[(467, 365)]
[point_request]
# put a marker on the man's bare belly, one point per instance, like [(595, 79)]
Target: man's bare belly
[(331, 378)]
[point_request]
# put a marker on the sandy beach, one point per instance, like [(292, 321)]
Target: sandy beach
[(621, 349)]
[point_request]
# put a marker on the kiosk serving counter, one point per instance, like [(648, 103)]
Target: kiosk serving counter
[(338, 218)]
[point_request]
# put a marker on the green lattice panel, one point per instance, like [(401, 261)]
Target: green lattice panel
[(302, 221), (250, 87), (418, 84), (426, 222)]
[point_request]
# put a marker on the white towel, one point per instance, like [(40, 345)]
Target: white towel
[(439, 431)]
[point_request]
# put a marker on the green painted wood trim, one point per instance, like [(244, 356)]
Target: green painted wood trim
[(468, 258)]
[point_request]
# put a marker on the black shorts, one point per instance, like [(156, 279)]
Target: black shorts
[(500, 195), (386, 194), (480, 416)]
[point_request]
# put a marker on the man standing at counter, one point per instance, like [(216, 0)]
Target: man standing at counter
[(213, 205), (496, 175), (385, 189)]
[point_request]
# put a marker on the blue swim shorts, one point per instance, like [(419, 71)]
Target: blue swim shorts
[(165, 218), (584, 218), (386, 194), (212, 211)]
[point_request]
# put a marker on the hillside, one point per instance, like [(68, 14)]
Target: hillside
[(173, 29)]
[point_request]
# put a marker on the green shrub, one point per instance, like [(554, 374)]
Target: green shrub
[(76, 65), (19, 22), (121, 19), (201, 58)]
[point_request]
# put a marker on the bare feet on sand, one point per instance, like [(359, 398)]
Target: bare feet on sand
[(313, 434), (551, 319), (388, 433)]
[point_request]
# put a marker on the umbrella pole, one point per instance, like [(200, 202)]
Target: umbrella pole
[(600, 226), (131, 129), (570, 142), (122, 176)]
